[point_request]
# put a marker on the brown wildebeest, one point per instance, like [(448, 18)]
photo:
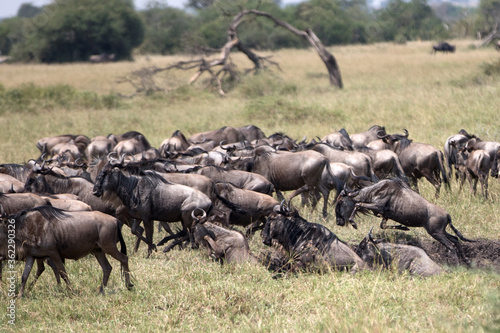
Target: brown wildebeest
[(221, 243), (362, 139), (419, 160), (48, 232), (399, 256), (252, 132), (451, 147), (177, 142), (491, 147), (312, 245), (393, 199), (99, 147), (338, 139)]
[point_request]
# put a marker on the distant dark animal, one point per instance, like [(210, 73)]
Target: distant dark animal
[(419, 160), (443, 47), (395, 200), (103, 57), (311, 245), (362, 139), (399, 256), (338, 139), (222, 244), (475, 166), (151, 198), (48, 232)]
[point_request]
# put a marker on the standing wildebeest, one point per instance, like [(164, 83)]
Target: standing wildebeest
[(451, 147), (385, 162), (338, 139), (48, 232), (364, 138), (297, 171), (393, 199), (402, 257), (443, 47), (221, 243), (177, 142), (491, 147), (99, 147), (419, 160), (252, 132), (474, 166), (312, 245), (151, 198)]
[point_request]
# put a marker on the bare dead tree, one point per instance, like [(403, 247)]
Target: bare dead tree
[(494, 34), (142, 80)]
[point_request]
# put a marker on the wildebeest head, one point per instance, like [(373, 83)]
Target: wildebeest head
[(344, 206), (275, 224), (107, 180), (368, 250)]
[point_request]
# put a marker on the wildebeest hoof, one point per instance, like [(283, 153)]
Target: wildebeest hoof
[(130, 286), (354, 225), (403, 227)]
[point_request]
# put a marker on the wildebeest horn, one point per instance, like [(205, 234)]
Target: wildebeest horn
[(204, 214), (370, 234), (81, 164), (283, 208), (382, 136), (406, 132)]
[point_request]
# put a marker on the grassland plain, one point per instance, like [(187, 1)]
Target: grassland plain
[(398, 86)]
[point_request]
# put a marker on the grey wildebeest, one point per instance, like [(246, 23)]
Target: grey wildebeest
[(222, 244), (48, 232), (339, 139), (210, 139), (451, 147), (255, 206), (177, 142), (149, 198), (491, 147), (46, 145), (393, 199), (475, 166), (311, 245), (362, 139), (99, 147), (287, 171), (399, 256), (252, 132), (419, 160)]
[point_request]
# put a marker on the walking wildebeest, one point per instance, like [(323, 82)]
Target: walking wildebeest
[(451, 147), (48, 232), (149, 198), (221, 243), (364, 138), (419, 160), (393, 199), (312, 245), (475, 166), (402, 257)]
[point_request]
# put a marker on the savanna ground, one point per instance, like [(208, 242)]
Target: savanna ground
[(398, 86)]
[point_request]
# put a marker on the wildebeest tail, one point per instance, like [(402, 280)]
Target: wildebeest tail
[(442, 170), (123, 246), (458, 232)]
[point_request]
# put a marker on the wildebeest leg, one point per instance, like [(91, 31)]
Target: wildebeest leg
[(298, 191), (148, 227), (383, 225), (484, 185), (106, 268), (280, 195), (180, 234), (414, 183), (26, 272), (176, 242), (112, 250), (41, 269), (451, 243), (254, 226)]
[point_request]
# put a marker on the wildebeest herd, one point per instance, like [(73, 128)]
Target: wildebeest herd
[(75, 197)]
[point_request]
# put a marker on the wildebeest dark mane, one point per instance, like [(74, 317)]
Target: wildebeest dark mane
[(18, 171), (403, 141), (61, 184), (48, 212)]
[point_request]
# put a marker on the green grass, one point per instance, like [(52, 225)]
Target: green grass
[(397, 86)]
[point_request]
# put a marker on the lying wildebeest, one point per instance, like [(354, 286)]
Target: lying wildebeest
[(221, 243), (419, 160), (402, 257), (443, 47), (48, 232), (226, 134), (149, 197), (312, 245), (393, 199), (475, 166)]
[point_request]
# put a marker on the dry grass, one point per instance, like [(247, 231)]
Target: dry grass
[(398, 86)]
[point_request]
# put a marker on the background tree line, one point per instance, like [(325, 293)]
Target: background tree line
[(72, 30)]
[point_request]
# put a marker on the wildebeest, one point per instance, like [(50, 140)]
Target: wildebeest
[(18, 171), (99, 147), (149, 197), (311, 245), (255, 206), (362, 139), (46, 145), (48, 232), (10, 184), (419, 160), (221, 243), (393, 199), (475, 166), (103, 57), (399, 256), (297, 171), (177, 142), (226, 134), (443, 47), (491, 147), (252, 132), (339, 139), (451, 147)]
